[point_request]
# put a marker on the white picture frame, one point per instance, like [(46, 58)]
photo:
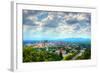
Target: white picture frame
[(16, 51)]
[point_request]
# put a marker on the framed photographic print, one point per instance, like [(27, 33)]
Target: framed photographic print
[(52, 36)]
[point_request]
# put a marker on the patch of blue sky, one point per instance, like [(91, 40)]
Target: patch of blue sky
[(42, 15)]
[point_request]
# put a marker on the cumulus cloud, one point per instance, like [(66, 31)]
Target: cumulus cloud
[(56, 24)]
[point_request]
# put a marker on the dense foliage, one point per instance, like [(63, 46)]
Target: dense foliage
[(85, 55), (32, 55)]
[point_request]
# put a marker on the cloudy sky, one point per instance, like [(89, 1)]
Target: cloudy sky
[(39, 24)]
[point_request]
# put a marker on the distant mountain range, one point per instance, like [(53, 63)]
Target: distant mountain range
[(64, 40), (76, 39)]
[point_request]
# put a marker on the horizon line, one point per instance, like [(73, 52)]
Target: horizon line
[(56, 39)]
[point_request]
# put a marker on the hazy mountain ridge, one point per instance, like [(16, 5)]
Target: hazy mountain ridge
[(63, 40)]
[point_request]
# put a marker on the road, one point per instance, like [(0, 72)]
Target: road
[(79, 54)]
